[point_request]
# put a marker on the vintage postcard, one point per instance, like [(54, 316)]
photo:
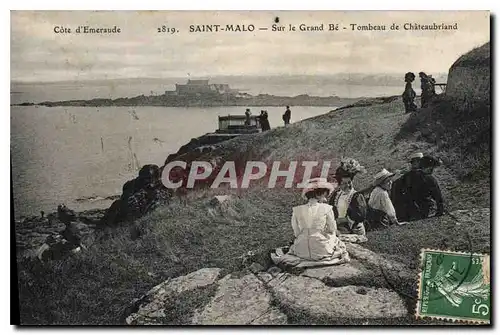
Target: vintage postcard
[(251, 167)]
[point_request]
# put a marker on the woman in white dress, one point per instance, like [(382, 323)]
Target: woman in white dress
[(314, 226)]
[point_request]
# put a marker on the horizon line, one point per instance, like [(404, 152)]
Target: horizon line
[(20, 81)]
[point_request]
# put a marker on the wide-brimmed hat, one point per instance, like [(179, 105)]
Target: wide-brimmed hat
[(416, 155), (382, 176), (429, 161), (317, 183)]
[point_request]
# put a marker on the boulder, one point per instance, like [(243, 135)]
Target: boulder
[(151, 307), (140, 196), (239, 301), (311, 297)]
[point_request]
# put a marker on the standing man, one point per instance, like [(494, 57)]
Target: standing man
[(409, 94), (428, 90), (247, 117), (264, 120), (287, 116)]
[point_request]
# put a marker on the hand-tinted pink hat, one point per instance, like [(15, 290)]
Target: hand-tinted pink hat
[(317, 183)]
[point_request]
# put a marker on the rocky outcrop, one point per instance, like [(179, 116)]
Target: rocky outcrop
[(150, 309), (200, 145), (240, 301), (350, 293), (140, 196), (303, 295)]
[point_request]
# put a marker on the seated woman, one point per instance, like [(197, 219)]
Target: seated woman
[(316, 242), (381, 212), (349, 206)]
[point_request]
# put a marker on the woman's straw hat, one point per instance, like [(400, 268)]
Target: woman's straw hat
[(317, 183), (382, 176)]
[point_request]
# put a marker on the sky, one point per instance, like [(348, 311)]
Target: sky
[(139, 51)]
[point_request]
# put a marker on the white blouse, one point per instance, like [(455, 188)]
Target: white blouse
[(379, 199)]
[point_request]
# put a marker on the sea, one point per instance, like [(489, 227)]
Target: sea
[(80, 156)]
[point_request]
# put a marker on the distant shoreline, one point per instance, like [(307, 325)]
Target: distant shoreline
[(260, 100)]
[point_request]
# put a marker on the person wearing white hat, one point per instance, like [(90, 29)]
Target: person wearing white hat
[(381, 211), (314, 225), (415, 160)]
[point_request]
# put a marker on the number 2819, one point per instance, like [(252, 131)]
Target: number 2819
[(165, 29)]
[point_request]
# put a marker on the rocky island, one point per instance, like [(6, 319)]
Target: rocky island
[(200, 93)]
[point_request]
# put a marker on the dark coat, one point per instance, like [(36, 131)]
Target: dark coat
[(409, 99), (287, 116), (264, 122), (415, 194)]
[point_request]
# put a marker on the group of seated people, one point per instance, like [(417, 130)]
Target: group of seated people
[(332, 210)]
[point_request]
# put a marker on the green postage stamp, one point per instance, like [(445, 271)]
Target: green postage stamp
[(454, 286)]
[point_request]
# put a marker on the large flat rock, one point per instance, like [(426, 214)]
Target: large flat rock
[(389, 267), (239, 301), (340, 275), (312, 297), (272, 317), (150, 309)]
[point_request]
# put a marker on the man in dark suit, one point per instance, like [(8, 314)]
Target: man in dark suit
[(417, 192)]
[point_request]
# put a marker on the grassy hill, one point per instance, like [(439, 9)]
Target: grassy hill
[(96, 286)]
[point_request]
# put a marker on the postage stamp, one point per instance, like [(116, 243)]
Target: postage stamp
[(454, 286)]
